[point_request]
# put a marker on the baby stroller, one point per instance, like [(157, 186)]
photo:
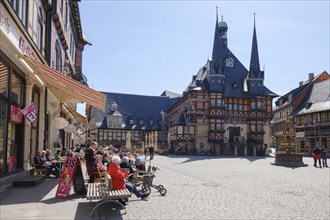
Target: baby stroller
[(147, 183)]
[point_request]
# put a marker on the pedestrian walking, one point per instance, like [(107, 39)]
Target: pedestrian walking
[(324, 156), (317, 156), (151, 152)]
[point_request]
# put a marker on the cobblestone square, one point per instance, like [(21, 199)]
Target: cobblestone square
[(235, 188), (198, 187)]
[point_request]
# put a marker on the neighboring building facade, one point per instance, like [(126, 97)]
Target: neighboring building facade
[(41, 42), (226, 108), (302, 116), (133, 116)]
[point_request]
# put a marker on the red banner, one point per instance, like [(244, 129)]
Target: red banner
[(67, 176)]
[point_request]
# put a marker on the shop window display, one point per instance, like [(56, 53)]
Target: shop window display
[(3, 123)]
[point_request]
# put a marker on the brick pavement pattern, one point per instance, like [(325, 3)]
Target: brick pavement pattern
[(198, 187)]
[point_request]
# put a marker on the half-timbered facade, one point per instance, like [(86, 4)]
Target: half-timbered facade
[(226, 109), (302, 116), (130, 115)]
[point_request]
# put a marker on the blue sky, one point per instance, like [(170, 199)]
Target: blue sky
[(146, 47)]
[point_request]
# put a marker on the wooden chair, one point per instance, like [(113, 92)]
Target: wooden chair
[(39, 170), (138, 175), (100, 176)]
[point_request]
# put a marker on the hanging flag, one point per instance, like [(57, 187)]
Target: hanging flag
[(29, 113)]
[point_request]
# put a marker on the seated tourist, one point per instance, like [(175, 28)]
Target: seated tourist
[(118, 179), (99, 164), (125, 164), (139, 162), (57, 155), (48, 156), (41, 161)]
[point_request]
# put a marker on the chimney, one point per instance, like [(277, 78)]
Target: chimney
[(301, 83), (310, 76)]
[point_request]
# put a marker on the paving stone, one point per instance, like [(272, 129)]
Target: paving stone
[(197, 188)]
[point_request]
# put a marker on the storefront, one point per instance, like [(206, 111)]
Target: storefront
[(18, 138), (25, 79), (12, 93)]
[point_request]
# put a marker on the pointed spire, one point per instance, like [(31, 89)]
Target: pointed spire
[(216, 64), (217, 13), (254, 63)]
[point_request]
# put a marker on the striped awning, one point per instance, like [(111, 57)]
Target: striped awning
[(65, 88), (77, 115)]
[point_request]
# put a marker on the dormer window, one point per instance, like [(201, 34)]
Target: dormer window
[(141, 122), (151, 122), (113, 107), (229, 62), (131, 121)]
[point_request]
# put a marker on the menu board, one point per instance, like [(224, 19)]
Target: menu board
[(71, 173)]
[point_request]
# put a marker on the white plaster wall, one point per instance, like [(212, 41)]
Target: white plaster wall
[(53, 107)]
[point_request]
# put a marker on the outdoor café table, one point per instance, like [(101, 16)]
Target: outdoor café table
[(58, 163)]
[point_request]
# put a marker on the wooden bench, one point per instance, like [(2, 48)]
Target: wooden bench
[(102, 192)]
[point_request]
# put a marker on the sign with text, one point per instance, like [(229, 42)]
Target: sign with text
[(29, 113), (71, 172)]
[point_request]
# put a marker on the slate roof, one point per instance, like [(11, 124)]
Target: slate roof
[(293, 93), (135, 107), (234, 80), (234, 76), (319, 96), (170, 94), (180, 120)]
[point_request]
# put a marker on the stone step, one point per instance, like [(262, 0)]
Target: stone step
[(7, 180), (28, 181)]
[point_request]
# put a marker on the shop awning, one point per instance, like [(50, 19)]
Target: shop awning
[(65, 88), (77, 115)]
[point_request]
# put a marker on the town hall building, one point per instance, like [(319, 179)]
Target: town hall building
[(226, 108)]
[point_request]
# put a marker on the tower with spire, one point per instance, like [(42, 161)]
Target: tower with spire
[(216, 78), (228, 102), (255, 75)]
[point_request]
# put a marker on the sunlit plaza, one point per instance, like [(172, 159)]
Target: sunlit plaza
[(198, 187), (164, 110)]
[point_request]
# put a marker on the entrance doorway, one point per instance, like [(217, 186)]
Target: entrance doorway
[(15, 148), (234, 133)]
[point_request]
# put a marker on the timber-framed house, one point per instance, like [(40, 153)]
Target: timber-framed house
[(226, 109)]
